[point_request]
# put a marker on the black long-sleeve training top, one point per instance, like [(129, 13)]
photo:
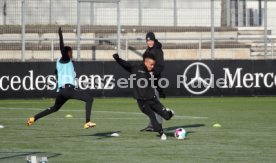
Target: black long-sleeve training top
[(141, 72)]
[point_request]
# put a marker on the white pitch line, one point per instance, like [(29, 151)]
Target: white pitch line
[(113, 112), (10, 118), (122, 118)]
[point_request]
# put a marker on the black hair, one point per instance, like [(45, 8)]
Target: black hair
[(67, 49), (148, 55)]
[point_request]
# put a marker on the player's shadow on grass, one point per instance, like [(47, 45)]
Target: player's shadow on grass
[(12, 155), (102, 135), (170, 130)]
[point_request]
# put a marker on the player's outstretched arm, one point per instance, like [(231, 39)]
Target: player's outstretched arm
[(61, 43), (126, 65)]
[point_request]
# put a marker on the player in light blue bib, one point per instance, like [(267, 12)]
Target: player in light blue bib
[(66, 87)]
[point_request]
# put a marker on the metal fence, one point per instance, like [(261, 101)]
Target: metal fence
[(198, 29)]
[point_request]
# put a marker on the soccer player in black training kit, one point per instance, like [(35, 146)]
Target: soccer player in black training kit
[(145, 96), (66, 86)]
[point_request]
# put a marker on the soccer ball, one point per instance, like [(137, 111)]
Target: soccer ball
[(180, 133)]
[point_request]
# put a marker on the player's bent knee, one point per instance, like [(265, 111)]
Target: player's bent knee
[(167, 116), (89, 99)]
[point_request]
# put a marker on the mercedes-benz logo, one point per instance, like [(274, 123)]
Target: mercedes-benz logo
[(198, 78)]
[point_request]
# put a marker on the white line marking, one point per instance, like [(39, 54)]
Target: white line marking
[(113, 112), (122, 118), (10, 118)]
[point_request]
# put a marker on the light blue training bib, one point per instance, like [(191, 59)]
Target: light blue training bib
[(66, 74)]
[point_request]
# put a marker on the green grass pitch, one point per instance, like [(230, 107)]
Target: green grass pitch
[(248, 132)]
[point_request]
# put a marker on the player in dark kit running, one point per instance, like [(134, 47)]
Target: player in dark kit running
[(66, 86), (145, 96)]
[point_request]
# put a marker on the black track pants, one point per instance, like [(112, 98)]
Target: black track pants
[(66, 94), (149, 107)]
